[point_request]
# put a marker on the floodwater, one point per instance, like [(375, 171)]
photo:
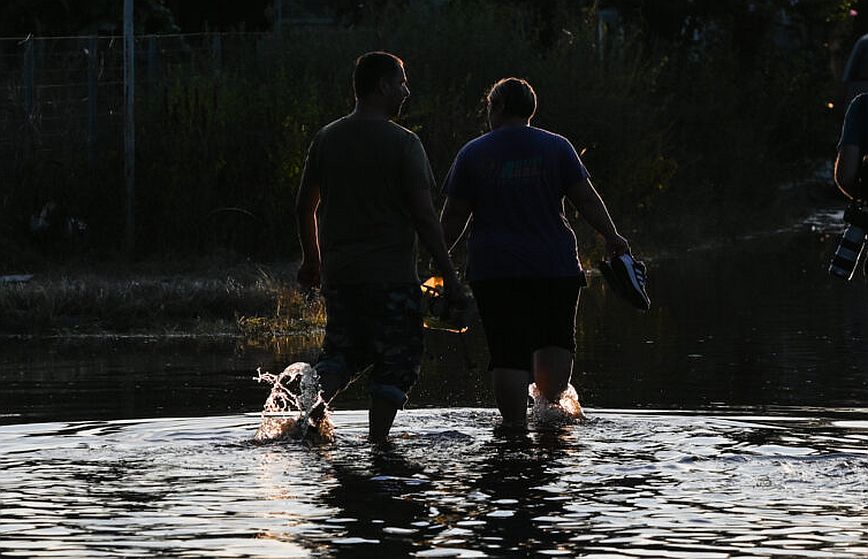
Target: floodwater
[(730, 421)]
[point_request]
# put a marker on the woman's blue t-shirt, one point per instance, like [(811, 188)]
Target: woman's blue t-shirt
[(515, 179)]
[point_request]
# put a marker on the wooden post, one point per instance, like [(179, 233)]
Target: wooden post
[(92, 74), (129, 125)]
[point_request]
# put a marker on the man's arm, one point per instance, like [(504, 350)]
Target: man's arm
[(847, 169), (454, 219), (588, 202), (419, 180), (306, 204), (421, 209), (853, 138)]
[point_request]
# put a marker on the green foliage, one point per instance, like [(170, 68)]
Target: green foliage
[(41, 18), (665, 129)]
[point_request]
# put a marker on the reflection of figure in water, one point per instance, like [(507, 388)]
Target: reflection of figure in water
[(365, 194), (517, 475), (523, 264), (382, 498), (852, 147), (404, 496)]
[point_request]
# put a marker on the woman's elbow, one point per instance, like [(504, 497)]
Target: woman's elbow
[(846, 182)]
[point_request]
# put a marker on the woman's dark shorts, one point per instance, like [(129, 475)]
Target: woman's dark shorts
[(374, 324), (522, 315)]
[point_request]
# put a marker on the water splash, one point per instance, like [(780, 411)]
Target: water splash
[(286, 414), (564, 411)]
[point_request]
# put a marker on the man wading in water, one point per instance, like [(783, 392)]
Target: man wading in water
[(365, 194)]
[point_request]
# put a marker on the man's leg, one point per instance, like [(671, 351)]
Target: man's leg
[(331, 383), (552, 368), (510, 392), (381, 415), (340, 356), (398, 349), (334, 376)]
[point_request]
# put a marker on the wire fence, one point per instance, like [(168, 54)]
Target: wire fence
[(63, 97)]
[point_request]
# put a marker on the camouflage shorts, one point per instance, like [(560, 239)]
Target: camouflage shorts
[(377, 325)]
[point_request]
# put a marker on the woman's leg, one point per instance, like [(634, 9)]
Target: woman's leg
[(552, 368), (553, 360), (510, 392), (500, 308)]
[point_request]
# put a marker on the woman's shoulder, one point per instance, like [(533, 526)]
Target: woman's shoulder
[(548, 135), (477, 144)]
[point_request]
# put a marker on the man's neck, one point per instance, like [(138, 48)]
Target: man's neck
[(369, 111)]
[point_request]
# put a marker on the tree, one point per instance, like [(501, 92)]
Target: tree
[(41, 18)]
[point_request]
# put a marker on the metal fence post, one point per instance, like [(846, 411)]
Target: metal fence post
[(29, 93), (92, 44), (129, 124), (29, 75), (217, 51), (153, 61)]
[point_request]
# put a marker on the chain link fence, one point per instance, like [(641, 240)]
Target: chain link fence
[(63, 97), (62, 125)]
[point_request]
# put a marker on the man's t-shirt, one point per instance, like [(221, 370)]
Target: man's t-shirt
[(515, 179), (855, 130), (364, 169)]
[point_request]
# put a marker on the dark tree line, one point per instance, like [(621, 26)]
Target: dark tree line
[(673, 21), (689, 86), (19, 18)]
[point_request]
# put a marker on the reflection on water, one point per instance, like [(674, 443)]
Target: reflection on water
[(652, 484)]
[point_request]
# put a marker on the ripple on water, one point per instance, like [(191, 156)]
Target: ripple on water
[(624, 484)]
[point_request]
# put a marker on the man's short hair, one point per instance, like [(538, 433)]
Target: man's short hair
[(515, 96), (371, 67)]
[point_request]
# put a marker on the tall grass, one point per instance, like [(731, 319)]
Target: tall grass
[(254, 301)]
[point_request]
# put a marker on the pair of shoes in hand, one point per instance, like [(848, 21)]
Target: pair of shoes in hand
[(627, 277)]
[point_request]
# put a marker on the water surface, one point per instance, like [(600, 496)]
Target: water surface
[(649, 484), (730, 421)]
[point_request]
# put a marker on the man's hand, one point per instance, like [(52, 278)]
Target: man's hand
[(309, 275), (616, 245), (457, 302)]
